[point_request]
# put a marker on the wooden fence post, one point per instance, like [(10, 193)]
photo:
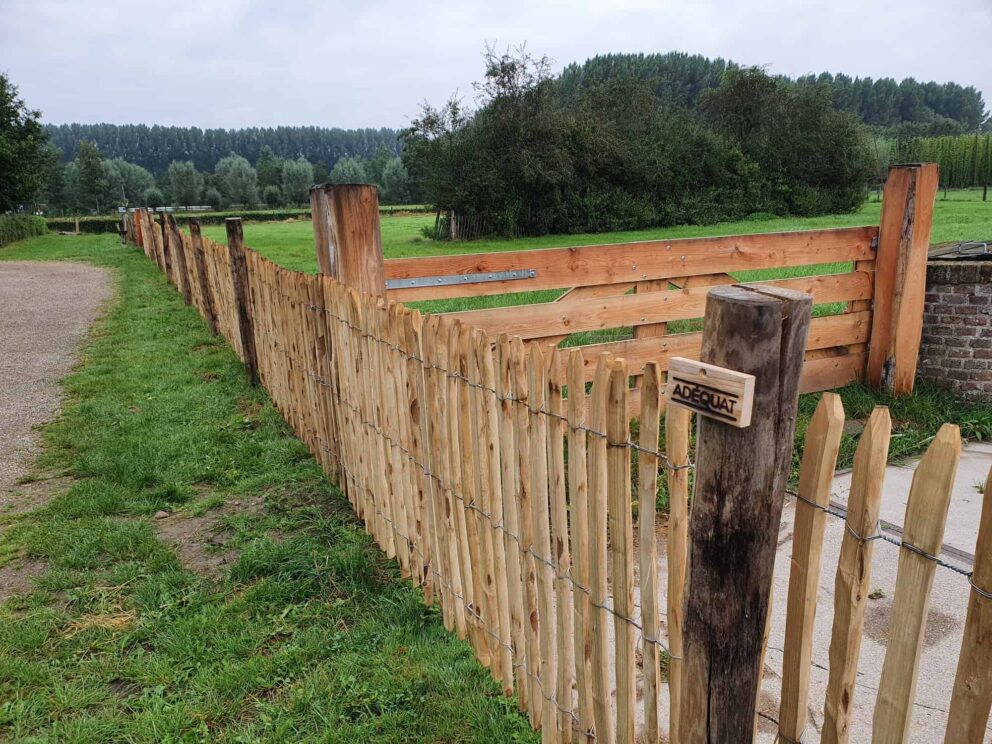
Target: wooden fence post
[(200, 260), (816, 476), (242, 304), (900, 275), (741, 476), (972, 697), (166, 253), (347, 236), (851, 585), (678, 422), (926, 514), (182, 267)]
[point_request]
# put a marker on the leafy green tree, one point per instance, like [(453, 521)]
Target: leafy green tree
[(297, 178), (237, 180), (153, 198), (349, 170), (395, 183), (125, 182), (215, 199), (272, 196), (92, 177), (185, 182), (269, 168), (22, 158)]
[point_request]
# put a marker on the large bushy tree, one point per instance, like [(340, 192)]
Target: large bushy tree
[(296, 180), (185, 182), (237, 180), (91, 178), (23, 159)]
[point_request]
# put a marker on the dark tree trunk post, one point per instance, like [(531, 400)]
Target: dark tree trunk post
[(182, 267), (200, 261), (166, 254), (242, 297), (741, 477)]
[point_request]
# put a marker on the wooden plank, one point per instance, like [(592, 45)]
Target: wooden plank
[(598, 556), (560, 545), (199, 259), (509, 478), (926, 513), (578, 491), (714, 392), (595, 290), (347, 235), (239, 276), (647, 503), (853, 580), (537, 388), (621, 544), (824, 332), (900, 275), (816, 476), (526, 534), (550, 318), (677, 423), (625, 262), (741, 477), (972, 696), (490, 437)]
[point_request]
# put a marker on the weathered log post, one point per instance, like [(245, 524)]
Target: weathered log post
[(179, 253), (203, 277), (741, 476), (347, 236), (242, 297)]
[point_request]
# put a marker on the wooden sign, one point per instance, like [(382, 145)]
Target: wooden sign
[(712, 391)]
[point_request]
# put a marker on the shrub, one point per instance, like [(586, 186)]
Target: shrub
[(272, 196), (15, 227), (153, 198)]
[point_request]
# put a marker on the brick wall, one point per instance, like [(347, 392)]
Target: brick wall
[(956, 349)]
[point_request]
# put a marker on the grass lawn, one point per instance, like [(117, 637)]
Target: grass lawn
[(259, 610), (306, 633)]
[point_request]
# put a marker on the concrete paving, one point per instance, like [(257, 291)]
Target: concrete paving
[(947, 608)]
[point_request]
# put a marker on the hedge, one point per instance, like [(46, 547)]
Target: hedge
[(15, 227), (108, 223)]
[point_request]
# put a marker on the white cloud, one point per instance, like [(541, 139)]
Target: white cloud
[(248, 62)]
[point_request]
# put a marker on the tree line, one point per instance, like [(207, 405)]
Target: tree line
[(965, 160), (617, 155), (155, 147), (91, 183), (903, 108)]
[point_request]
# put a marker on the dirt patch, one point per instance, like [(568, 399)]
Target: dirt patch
[(200, 541), (17, 576), (26, 497)]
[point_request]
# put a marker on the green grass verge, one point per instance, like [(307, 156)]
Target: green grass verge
[(307, 634)]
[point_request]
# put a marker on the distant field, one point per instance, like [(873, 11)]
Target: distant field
[(962, 216)]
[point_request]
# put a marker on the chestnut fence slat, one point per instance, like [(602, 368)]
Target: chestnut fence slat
[(504, 484)]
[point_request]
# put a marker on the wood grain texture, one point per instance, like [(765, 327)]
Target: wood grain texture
[(647, 504), (900, 275), (242, 305), (347, 235), (972, 695), (926, 513), (620, 263), (852, 582), (550, 318), (816, 477), (740, 485), (677, 425)]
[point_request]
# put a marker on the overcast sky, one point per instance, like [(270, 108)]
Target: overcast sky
[(235, 63)]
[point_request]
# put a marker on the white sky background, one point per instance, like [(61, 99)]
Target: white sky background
[(241, 63)]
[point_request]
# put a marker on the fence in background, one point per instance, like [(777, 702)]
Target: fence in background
[(511, 501)]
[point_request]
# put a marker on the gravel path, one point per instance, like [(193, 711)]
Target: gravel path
[(45, 311)]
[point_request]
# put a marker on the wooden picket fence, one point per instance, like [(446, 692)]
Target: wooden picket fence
[(511, 502)]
